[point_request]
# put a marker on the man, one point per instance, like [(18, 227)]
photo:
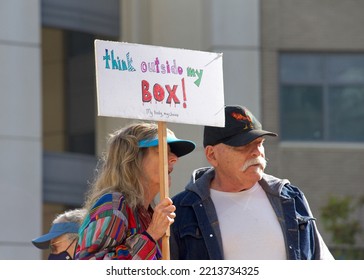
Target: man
[(62, 237), (233, 210)]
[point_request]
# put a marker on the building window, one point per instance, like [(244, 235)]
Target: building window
[(69, 91), (322, 97), (80, 92)]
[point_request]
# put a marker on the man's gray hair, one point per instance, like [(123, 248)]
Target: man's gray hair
[(73, 215)]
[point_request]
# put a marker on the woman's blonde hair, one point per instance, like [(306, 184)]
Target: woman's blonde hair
[(121, 166)]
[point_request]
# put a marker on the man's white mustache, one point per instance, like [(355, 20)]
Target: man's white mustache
[(260, 160)]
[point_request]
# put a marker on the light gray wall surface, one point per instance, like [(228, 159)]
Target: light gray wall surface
[(20, 129)]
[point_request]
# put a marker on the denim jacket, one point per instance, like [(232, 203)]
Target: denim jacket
[(195, 234)]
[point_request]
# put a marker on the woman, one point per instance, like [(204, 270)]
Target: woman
[(121, 224)]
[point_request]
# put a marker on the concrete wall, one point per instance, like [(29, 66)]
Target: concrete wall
[(20, 128), (320, 169)]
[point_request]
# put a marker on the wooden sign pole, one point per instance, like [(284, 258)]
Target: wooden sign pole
[(163, 175)]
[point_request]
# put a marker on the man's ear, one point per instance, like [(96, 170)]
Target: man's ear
[(210, 155)]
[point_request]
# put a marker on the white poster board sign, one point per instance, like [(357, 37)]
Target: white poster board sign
[(159, 84)]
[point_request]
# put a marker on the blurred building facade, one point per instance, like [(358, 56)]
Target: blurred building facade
[(298, 65)]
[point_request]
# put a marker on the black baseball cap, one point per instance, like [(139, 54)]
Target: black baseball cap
[(241, 128)]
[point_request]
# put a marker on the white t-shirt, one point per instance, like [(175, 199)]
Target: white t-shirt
[(249, 227)]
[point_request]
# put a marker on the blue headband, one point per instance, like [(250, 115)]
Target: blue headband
[(179, 147)]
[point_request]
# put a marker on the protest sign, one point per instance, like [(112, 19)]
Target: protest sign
[(161, 84)]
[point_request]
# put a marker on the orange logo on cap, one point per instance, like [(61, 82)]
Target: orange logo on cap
[(241, 117)]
